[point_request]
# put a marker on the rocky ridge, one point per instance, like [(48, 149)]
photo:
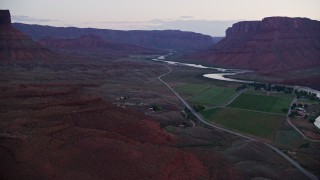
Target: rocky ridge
[(273, 44), (165, 40)]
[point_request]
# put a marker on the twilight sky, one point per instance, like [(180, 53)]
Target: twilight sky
[(205, 16)]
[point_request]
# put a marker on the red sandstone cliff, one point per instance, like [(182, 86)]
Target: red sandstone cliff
[(5, 18), (275, 43), (17, 46)]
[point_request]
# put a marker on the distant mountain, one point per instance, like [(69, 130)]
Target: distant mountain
[(94, 45), (17, 46), (168, 39), (273, 44)]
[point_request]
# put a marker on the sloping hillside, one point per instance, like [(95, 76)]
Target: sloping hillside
[(94, 45)]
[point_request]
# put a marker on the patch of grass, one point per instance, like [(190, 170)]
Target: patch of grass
[(191, 89), (289, 138), (206, 95), (213, 96), (254, 123), (273, 104)]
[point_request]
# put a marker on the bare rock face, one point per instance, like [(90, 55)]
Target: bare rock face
[(272, 23), (273, 44), (5, 18), (16, 46), (244, 27)]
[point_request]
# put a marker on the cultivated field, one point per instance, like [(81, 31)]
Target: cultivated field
[(273, 104), (273, 126), (192, 89), (254, 123), (213, 96), (206, 95), (59, 114)]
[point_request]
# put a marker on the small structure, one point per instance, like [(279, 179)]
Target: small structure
[(150, 109), (301, 113), (317, 122)]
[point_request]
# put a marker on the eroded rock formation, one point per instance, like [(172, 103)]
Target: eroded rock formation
[(273, 44), (16, 46)]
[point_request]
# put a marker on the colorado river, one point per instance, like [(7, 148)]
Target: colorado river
[(226, 72), (221, 76)]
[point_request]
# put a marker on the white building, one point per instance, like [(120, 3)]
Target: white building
[(317, 122)]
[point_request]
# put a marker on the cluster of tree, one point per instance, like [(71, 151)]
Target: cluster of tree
[(243, 86), (189, 114), (293, 114), (156, 107), (299, 105), (199, 108), (305, 94), (271, 87), (295, 108), (126, 97)]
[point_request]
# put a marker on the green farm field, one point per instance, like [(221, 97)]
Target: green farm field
[(206, 95), (273, 104), (191, 89), (258, 124)]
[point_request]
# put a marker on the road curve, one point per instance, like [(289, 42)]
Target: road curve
[(229, 102), (293, 162)]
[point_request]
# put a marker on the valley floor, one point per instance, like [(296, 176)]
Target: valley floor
[(115, 119)]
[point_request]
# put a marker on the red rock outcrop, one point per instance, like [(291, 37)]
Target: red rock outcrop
[(273, 44), (5, 18), (79, 137), (272, 23), (17, 46)]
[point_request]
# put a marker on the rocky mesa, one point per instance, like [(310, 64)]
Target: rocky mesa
[(273, 44)]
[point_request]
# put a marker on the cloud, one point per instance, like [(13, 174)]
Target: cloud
[(116, 22), (120, 25), (210, 27), (184, 23), (28, 19), (186, 17)]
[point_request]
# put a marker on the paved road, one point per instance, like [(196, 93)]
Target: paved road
[(235, 97), (263, 112), (293, 162), (230, 101)]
